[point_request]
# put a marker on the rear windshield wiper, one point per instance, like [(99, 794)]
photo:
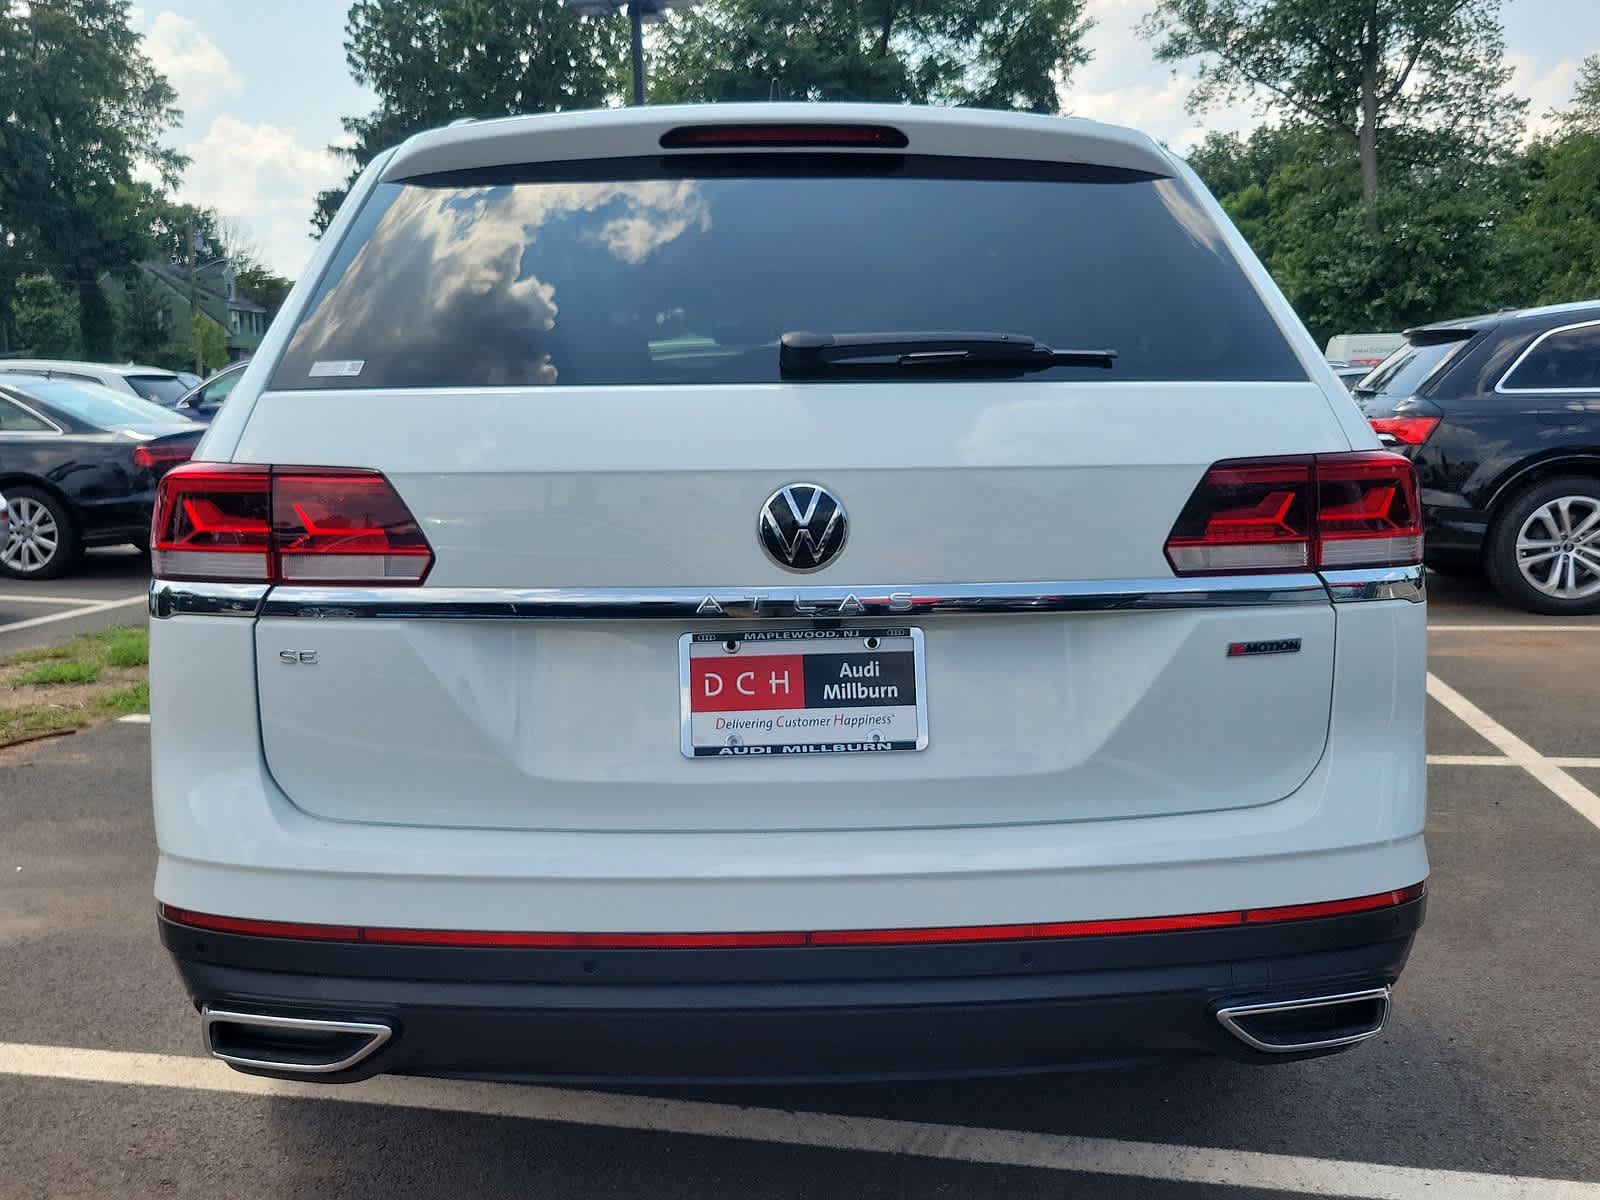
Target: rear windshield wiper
[(816, 353)]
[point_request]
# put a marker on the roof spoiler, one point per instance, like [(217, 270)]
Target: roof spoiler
[(1433, 335)]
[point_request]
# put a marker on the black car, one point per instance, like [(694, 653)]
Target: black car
[(79, 464), (1501, 415)]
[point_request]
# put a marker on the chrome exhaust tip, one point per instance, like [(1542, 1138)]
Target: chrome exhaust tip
[(1308, 1023), (290, 1045)]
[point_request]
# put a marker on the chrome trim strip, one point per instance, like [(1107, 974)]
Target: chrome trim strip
[(1377, 583), (1502, 389), (789, 603), (170, 599), (378, 1033), (1229, 1017)]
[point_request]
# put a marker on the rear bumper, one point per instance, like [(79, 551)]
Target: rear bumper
[(794, 1013)]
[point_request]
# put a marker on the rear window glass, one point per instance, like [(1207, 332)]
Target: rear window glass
[(690, 270), (105, 407), (1568, 360), (1404, 371), (164, 389)]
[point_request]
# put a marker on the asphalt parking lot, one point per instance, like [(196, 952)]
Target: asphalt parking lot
[(108, 588), (1485, 1085)]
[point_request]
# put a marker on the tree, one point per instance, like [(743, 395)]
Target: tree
[(989, 53), (1559, 225), (255, 282), (47, 317), (1443, 249), (1359, 69), (208, 345), (84, 108), (432, 61)]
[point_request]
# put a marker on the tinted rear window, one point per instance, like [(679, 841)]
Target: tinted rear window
[(679, 271), (1404, 371), (163, 389), (105, 407), (1566, 360)]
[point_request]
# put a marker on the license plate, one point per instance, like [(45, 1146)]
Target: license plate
[(775, 692)]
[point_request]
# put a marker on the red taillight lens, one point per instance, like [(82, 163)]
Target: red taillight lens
[(1368, 514), (345, 527), (1246, 516), (722, 137), (154, 455), (284, 525), (1330, 510), (212, 521), (1403, 431)]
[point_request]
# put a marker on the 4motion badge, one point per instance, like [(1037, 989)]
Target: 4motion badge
[(1279, 646)]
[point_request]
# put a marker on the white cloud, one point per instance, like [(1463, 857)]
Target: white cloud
[(191, 61), (1125, 85), (261, 176), (1545, 89)]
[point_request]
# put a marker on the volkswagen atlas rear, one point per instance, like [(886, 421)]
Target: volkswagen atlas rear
[(776, 592)]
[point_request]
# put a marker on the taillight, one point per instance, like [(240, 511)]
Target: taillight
[(1403, 431), (284, 525), (154, 455), (1329, 510)]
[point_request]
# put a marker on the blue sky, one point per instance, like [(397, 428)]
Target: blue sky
[(263, 86)]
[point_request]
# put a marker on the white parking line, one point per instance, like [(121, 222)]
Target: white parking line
[(955, 1143), (32, 598), (87, 610), (1492, 760), (1546, 770), (136, 719), (1513, 628)]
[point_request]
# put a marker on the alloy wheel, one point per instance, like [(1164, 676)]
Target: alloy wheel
[(34, 538), (1558, 547)]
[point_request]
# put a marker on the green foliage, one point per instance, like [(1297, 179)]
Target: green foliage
[(143, 333), (255, 282), (431, 61), (1368, 71), (83, 107), (208, 344), (989, 53), (1558, 229), (1441, 248), (126, 648), (46, 316)]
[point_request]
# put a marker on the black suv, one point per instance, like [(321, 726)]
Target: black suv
[(1501, 414)]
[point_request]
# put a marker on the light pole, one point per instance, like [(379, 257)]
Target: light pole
[(639, 11)]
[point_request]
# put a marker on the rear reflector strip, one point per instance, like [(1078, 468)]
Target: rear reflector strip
[(834, 937)]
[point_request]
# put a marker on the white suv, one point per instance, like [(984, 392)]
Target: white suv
[(776, 591)]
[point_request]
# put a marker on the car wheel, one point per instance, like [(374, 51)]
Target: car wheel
[(1544, 548), (43, 541)]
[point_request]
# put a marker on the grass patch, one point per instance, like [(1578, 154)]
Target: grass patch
[(128, 648), (123, 701), (65, 671), (92, 678)]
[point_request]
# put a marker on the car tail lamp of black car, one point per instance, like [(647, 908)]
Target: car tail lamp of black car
[(285, 525), (1292, 514), (1403, 431), (157, 456)]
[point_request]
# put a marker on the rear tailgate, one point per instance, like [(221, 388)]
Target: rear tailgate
[(575, 725)]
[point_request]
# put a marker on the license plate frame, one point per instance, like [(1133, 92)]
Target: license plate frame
[(861, 722)]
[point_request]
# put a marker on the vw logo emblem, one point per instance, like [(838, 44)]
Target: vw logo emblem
[(802, 527)]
